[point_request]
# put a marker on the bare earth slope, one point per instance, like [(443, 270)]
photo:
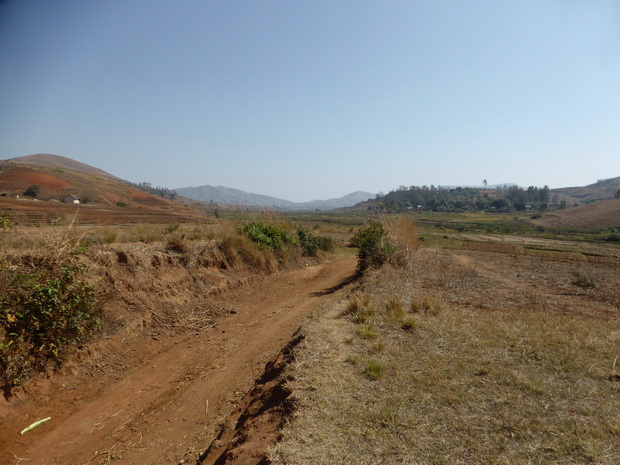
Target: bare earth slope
[(152, 402)]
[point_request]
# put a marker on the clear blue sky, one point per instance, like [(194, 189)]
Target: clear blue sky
[(316, 99)]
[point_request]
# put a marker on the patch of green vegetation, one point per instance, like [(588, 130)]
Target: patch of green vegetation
[(44, 314), (5, 221), (267, 236), (311, 244), (374, 249)]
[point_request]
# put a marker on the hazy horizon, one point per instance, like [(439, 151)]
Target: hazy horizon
[(316, 100)]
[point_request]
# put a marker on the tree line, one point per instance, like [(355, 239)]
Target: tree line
[(502, 199), (162, 192)]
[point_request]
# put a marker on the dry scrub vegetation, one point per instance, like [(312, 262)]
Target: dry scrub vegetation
[(475, 355), (60, 286)]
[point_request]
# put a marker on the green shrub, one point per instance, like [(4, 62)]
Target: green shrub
[(374, 248), (43, 315), (311, 244), (267, 236)]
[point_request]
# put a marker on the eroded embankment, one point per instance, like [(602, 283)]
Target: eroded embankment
[(256, 424)]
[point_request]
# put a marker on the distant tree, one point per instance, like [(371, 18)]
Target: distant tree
[(485, 182), (501, 204), (33, 191)]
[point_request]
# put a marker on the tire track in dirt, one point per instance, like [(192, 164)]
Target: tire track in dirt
[(170, 408)]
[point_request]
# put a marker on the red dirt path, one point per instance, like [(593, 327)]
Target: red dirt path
[(152, 402)]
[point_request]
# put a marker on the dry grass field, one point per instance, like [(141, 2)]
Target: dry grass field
[(477, 353)]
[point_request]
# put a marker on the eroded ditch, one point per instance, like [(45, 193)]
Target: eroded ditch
[(256, 424)]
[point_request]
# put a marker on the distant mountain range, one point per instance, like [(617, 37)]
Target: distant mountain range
[(230, 196)]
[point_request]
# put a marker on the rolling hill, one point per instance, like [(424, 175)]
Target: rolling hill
[(595, 215), (57, 177), (604, 189), (59, 162)]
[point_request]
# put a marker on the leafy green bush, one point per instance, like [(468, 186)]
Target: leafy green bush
[(374, 248), (43, 315), (311, 244)]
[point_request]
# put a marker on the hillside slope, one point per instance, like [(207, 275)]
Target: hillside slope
[(601, 190), (603, 214), (57, 177), (59, 162)]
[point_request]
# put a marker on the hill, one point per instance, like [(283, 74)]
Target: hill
[(596, 215), (59, 162), (604, 189), (230, 196), (57, 177)]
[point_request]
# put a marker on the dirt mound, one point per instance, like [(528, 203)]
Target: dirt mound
[(604, 214)]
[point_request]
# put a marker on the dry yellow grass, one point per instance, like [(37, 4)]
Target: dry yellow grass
[(489, 365)]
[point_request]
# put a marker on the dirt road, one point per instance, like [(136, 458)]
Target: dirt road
[(145, 401)]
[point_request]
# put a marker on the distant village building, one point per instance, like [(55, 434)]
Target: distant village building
[(71, 199)]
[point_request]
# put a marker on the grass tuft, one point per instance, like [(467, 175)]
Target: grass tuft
[(583, 279), (428, 304), (374, 370)]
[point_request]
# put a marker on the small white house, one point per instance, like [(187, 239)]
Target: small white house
[(71, 199)]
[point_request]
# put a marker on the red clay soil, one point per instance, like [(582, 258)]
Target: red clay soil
[(19, 179), (140, 399)]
